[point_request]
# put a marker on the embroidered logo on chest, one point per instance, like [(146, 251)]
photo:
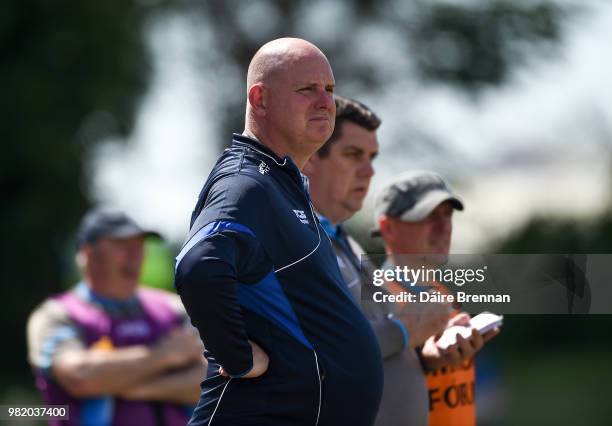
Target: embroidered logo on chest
[(301, 216), (137, 328), (264, 168)]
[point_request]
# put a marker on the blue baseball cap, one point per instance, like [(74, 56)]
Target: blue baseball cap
[(99, 223)]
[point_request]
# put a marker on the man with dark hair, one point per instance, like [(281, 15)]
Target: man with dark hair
[(114, 352), (349, 111), (285, 343), (339, 175)]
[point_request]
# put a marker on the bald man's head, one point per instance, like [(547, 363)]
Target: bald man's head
[(290, 106), (277, 56)]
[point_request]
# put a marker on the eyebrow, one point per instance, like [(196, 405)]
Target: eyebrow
[(314, 83), (359, 150)]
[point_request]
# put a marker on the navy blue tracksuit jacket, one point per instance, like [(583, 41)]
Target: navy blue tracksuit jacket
[(258, 265)]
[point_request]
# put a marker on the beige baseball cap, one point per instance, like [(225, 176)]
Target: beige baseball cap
[(412, 196)]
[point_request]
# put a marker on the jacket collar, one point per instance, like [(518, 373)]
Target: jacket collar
[(254, 144), (286, 162)]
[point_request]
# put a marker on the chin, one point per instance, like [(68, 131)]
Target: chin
[(321, 134), (130, 283), (437, 259), (356, 207)]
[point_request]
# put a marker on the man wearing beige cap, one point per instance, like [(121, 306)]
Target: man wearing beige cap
[(414, 217)]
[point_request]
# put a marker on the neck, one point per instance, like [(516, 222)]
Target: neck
[(277, 145), (107, 289), (333, 220), (413, 260), (323, 209)]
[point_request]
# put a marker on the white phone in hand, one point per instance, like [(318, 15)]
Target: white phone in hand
[(483, 322)]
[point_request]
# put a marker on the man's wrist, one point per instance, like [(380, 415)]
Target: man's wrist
[(403, 329), (424, 360)]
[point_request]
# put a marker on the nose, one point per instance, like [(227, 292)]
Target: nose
[(134, 253), (367, 169), (443, 225), (326, 101)]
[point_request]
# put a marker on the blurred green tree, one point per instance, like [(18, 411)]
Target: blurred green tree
[(557, 235), (479, 45), (72, 74), (470, 45)]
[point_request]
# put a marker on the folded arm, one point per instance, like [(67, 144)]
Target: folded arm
[(182, 387), (89, 372)]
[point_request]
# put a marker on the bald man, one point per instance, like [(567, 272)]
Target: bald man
[(285, 342)]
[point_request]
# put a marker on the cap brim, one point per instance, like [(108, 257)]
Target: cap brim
[(428, 203), (130, 231)]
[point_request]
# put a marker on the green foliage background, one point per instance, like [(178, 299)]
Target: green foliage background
[(72, 73)]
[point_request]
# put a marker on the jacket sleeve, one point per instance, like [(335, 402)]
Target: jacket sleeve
[(222, 255), (390, 332)]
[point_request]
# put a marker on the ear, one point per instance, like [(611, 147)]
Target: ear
[(256, 97), (386, 228), (82, 256)]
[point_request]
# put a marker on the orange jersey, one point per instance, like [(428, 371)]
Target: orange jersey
[(452, 395), (452, 391)]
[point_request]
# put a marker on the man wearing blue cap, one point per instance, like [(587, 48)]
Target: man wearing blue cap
[(113, 352)]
